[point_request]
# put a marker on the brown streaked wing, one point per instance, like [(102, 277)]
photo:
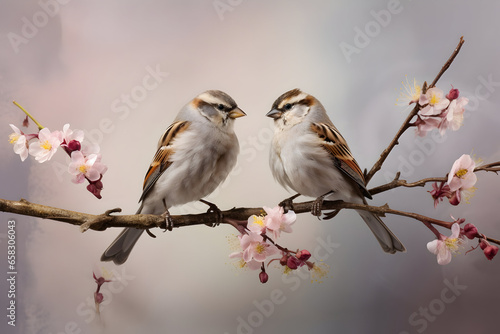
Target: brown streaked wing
[(336, 146), (161, 160)]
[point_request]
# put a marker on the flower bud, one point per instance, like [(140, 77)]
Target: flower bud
[(453, 94), (470, 231), (293, 262), (483, 244), (284, 260), (263, 276), (490, 252), (455, 198), (303, 255), (74, 145), (98, 297)]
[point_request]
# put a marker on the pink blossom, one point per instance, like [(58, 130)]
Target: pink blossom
[(461, 176), (256, 248), (71, 139), (69, 135), (425, 124), (277, 221), (46, 146), (256, 224), (83, 167), (433, 102), (252, 264), (89, 148), (454, 115), (445, 246), (411, 92), (19, 141)]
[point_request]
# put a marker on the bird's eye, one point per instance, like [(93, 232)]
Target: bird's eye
[(220, 107), (287, 106)]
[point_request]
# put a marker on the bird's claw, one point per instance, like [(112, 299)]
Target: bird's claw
[(316, 206), (287, 203), (212, 208), (168, 220), (331, 214)]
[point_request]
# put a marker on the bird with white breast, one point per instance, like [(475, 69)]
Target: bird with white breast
[(194, 155), (310, 156)]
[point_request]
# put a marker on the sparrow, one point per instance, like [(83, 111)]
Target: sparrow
[(194, 155), (309, 155)]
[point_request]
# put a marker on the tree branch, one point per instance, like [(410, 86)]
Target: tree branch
[(406, 124), (103, 221), (397, 182)]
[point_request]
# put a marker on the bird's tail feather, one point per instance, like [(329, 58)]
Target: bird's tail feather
[(389, 242), (120, 249)]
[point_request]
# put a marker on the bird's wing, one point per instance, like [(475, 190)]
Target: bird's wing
[(333, 142), (161, 160)]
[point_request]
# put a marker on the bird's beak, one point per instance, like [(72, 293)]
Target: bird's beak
[(275, 113), (236, 112)]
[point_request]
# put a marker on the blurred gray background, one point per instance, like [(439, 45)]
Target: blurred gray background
[(77, 61)]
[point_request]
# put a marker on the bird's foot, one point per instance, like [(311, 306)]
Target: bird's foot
[(168, 220), (318, 204), (212, 208), (287, 204)]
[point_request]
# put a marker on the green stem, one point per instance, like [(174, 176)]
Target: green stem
[(29, 115)]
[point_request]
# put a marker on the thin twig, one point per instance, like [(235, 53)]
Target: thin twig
[(397, 182), (403, 183), (448, 62), (406, 124)]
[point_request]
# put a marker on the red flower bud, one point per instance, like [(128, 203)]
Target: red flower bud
[(98, 297), (455, 198), (470, 231), (293, 262), (284, 260), (95, 188), (483, 244), (303, 255), (453, 94), (74, 145), (263, 276), (490, 252)]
